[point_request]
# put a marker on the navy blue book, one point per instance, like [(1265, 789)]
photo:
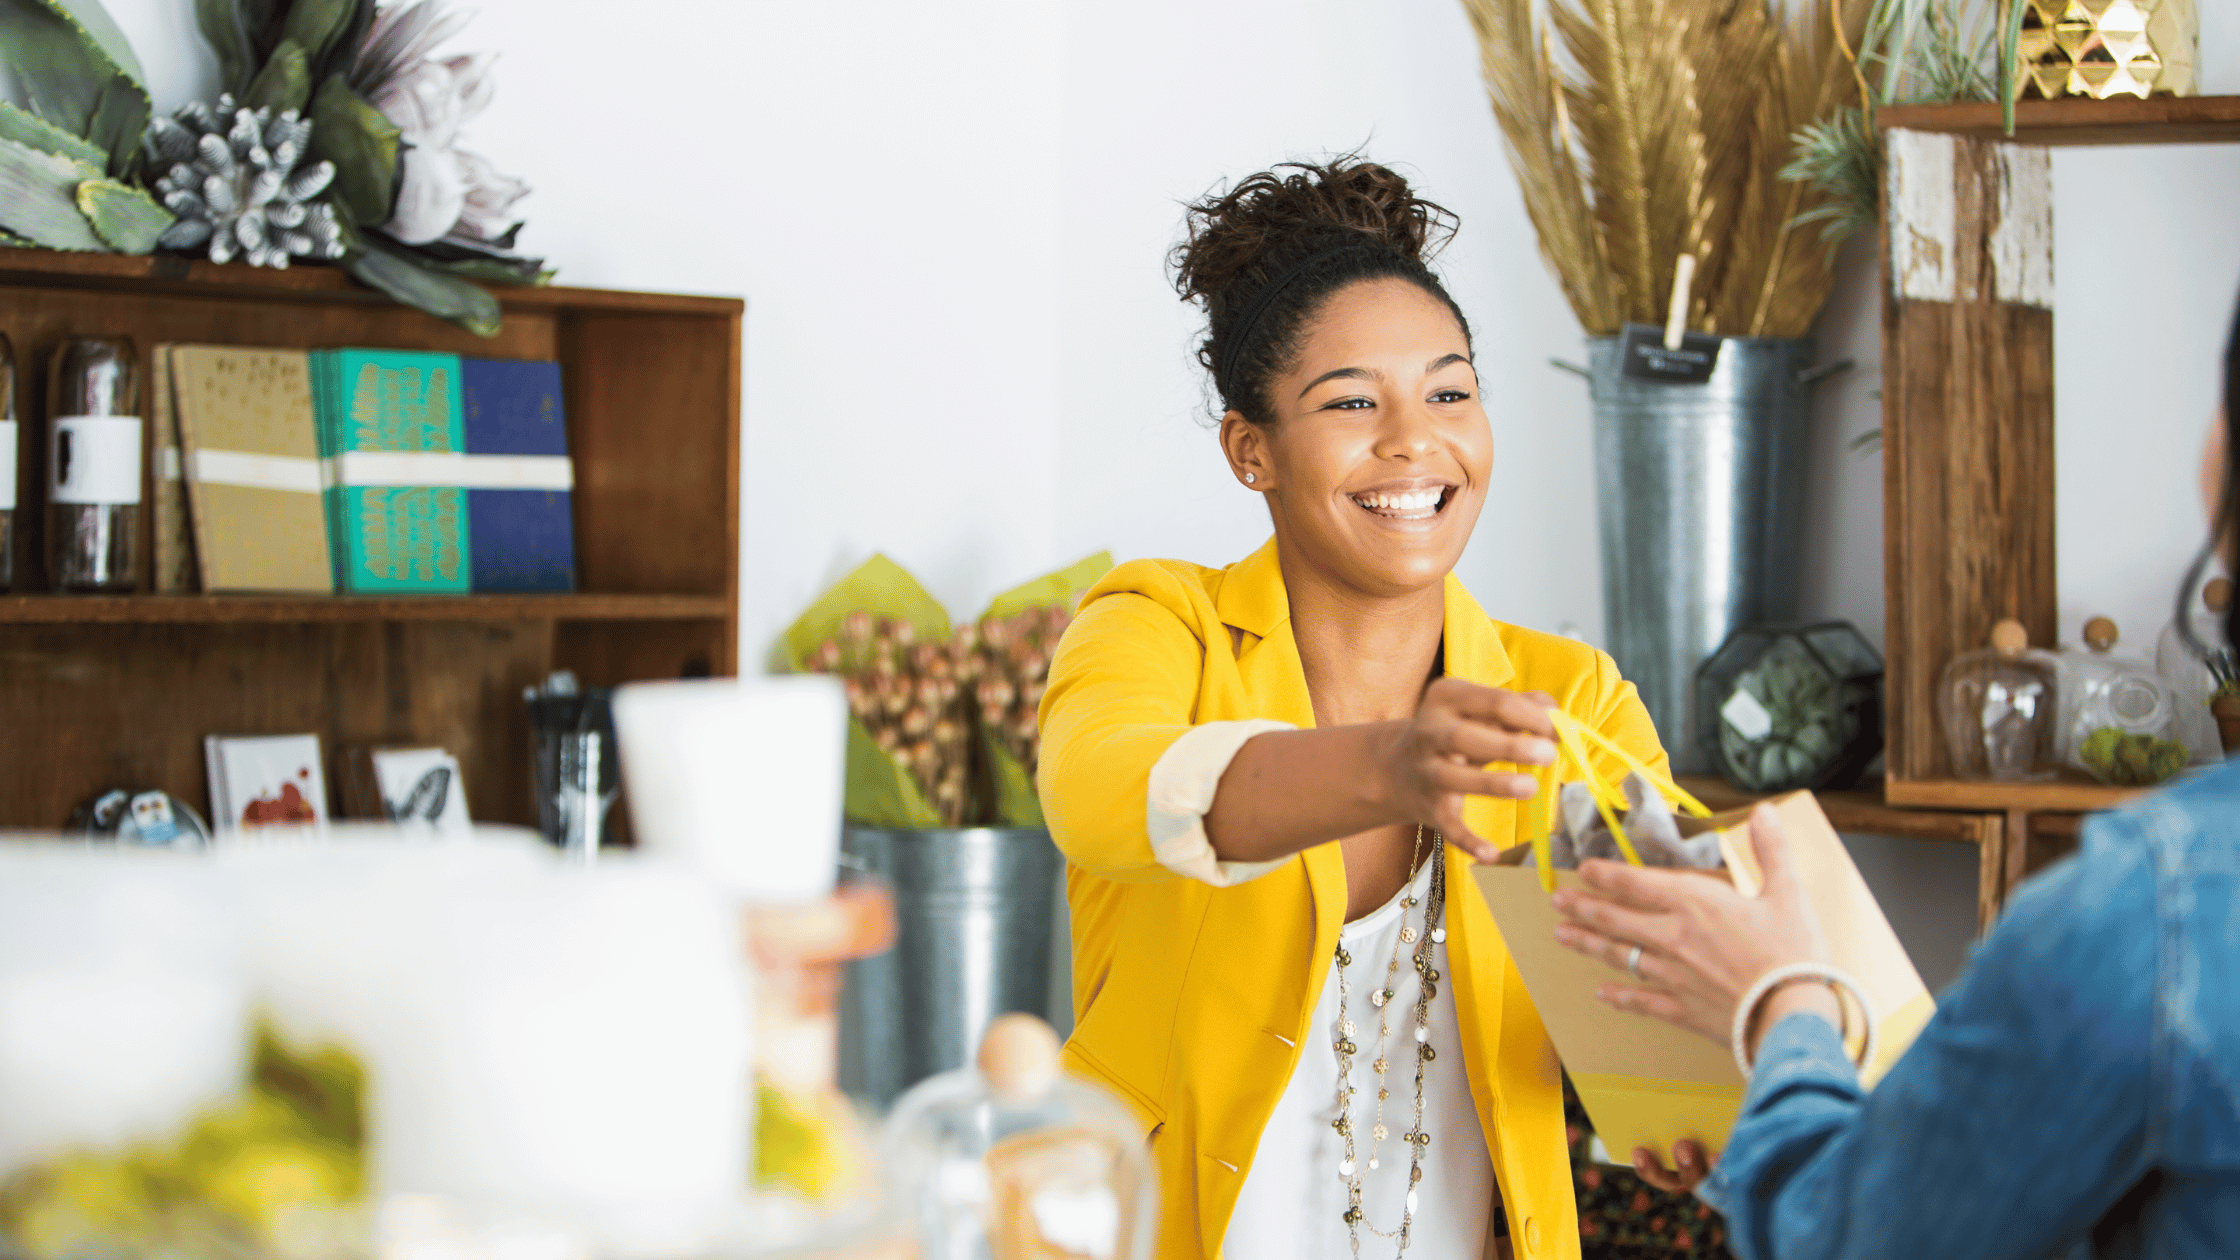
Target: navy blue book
[(518, 478)]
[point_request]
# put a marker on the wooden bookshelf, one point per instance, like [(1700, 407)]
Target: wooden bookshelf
[(119, 690), (2080, 121)]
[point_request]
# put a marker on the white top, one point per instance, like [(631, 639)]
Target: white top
[(1293, 1203)]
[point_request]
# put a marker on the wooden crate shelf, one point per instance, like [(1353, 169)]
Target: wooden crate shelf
[(119, 691), (174, 609), (1968, 503), (1864, 812), (2065, 795), (2125, 120)]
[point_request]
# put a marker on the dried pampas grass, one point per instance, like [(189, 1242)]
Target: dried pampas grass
[(1661, 128)]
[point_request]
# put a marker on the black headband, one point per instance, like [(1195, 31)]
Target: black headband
[(1242, 332)]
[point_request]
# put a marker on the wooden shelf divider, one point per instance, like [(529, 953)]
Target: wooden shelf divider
[(179, 609), (1864, 812), (2079, 121), (2064, 795)]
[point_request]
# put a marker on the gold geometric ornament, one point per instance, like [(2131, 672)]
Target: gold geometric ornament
[(2104, 48)]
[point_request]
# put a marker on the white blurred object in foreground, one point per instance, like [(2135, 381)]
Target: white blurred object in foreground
[(123, 1008), (543, 1042), (741, 777)]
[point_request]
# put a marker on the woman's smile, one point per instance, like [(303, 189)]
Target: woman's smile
[(1411, 502)]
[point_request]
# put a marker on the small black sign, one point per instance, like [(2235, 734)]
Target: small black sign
[(1646, 358)]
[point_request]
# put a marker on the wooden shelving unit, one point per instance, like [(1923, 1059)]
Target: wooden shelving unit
[(1866, 812), (118, 691), (159, 609), (2124, 120), (1968, 505)]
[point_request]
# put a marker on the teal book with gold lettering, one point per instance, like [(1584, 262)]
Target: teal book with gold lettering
[(392, 439)]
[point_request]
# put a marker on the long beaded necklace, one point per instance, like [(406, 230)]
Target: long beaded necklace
[(1430, 935)]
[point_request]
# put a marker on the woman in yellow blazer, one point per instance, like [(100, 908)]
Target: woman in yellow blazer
[(1247, 767)]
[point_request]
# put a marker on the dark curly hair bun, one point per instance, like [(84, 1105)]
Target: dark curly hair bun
[(1264, 255)]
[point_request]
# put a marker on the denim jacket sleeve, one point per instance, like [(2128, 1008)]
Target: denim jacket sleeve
[(2009, 1125)]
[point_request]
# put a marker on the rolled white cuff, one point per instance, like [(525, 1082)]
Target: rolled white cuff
[(1183, 782)]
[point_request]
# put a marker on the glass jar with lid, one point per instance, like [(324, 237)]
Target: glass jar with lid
[(1015, 1160), (2001, 706), (2117, 714)]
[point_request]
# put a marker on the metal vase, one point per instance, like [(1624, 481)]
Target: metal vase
[(976, 912), (1701, 494)]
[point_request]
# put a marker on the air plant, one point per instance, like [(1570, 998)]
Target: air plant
[(1909, 52)]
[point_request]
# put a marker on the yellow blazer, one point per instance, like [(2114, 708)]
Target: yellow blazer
[(1192, 1002)]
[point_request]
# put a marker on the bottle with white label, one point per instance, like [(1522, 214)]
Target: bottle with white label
[(8, 439), (94, 467)]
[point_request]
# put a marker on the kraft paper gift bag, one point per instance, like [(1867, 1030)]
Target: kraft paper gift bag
[(1645, 1082)]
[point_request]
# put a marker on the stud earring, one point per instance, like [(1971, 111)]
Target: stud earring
[(1249, 478)]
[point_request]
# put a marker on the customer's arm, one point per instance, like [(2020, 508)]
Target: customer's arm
[(2010, 1126)]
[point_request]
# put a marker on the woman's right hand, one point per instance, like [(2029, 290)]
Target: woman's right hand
[(1438, 757)]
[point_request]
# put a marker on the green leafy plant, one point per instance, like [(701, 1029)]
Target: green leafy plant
[(1910, 52), (70, 158)]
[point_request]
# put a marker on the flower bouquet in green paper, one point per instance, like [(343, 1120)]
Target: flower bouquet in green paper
[(942, 719)]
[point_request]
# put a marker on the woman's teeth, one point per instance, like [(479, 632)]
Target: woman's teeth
[(1412, 505)]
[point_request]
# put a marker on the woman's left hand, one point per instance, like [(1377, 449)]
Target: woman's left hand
[(1701, 944)]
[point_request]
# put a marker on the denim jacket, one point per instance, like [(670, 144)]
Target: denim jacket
[(2076, 1094)]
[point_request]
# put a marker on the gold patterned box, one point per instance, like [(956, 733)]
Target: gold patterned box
[(2104, 48)]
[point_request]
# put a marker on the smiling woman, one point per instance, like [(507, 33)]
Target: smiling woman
[(1265, 778)]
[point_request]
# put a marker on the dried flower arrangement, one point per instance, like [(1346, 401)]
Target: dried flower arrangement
[(1663, 131), (922, 702), (944, 729), (335, 140)]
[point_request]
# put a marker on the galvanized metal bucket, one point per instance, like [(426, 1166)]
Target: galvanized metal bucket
[(1701, 497), (977, 921)]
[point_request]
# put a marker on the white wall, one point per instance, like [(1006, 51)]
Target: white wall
[(950, 224)]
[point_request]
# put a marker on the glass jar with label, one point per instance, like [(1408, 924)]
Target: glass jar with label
[(2001, 709), (94, 467), (2118, 717), (8, 439)]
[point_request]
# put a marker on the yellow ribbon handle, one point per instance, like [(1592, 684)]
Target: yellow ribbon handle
[(1572, 740)]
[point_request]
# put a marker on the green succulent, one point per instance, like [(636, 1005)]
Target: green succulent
[(70, 162)]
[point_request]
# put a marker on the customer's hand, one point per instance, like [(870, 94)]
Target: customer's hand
[(1688, 1170), (1437, 759), (1702, 943)]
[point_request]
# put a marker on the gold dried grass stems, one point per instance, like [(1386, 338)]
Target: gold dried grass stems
[(1661, 128)]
